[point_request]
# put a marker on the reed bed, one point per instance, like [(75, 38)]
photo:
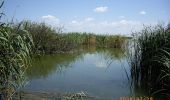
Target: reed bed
[(15, 50), (150, 61), (14, 59), (48, 40)]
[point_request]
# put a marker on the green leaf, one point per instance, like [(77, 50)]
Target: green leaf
[(3, 39)]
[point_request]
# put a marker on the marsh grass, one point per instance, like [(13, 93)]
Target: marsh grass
[(15, 49), (49, 40), (14, 59), (150, 61)]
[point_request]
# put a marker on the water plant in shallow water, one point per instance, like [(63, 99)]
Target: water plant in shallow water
[(150, 61), (15, 48)]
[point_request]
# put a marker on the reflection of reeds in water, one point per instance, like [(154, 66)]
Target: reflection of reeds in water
[(47, 64), (150, 61)]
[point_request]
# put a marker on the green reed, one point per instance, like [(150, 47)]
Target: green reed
[(150, 60), (49, 40), (15, 49)]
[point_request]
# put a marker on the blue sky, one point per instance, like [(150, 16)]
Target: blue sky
[(99, 16)]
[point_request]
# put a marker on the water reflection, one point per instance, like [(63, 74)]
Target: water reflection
[(96, 71), (113, 53), (48, 64)]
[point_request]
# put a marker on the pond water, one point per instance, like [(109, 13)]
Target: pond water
[(99, 72)]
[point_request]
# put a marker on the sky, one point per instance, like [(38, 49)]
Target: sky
[(97, 16)]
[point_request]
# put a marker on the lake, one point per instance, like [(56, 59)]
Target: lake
[(97, 72)]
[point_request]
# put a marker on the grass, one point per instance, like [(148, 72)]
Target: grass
[(150, 61), (15, 49), (14, 58)]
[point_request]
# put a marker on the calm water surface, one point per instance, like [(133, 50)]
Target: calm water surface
[(99, 72)]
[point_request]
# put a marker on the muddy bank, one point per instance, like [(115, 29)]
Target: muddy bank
[(28, 95)]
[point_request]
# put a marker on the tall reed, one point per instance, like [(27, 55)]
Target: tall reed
[(150, 61), (48, 40), (15, 49)]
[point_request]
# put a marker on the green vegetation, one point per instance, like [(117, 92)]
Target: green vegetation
[(15, 50), (48, 40), (150, 61), (14, 58)]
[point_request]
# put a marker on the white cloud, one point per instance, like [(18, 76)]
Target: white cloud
[(89, 19), (142, 12), (125, 27), (124, 22), (105, 27), (101, 9), (52, 20), (49, 17), (74, 22), (121, 17)]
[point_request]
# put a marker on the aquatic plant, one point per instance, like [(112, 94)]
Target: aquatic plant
[(49, 40), (15, 49), (150, 61)]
